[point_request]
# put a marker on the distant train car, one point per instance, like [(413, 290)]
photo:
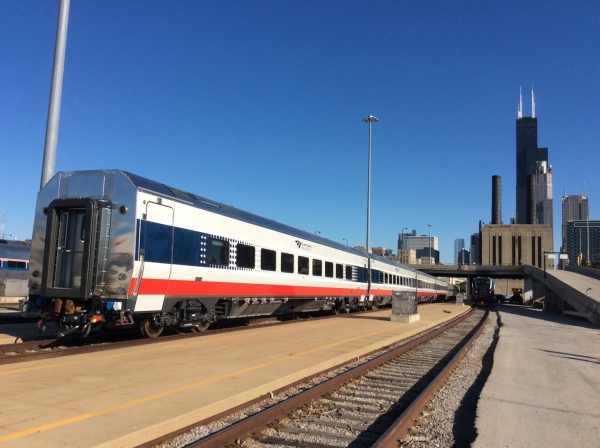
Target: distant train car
[(113, 249), (483, 290), (14, 264)]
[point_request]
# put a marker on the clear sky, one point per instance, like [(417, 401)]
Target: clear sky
[(258, 104)]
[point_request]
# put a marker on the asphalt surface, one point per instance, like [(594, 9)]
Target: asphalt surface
[(544, 388)]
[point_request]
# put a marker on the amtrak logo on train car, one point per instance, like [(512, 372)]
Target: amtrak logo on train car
[(303, 246)]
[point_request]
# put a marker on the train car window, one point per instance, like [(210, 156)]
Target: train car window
[(317, 267), (328, 269), (245, 256), (348, 272), (303, 265), (339, 271), (268, 260), (158, 242), (287, 263), (217, 252), (186, 247), (16, 264), (83, 226)]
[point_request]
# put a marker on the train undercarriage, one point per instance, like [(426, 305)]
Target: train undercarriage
[(181, 315)]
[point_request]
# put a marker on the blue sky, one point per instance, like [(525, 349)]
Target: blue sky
[(259, 105)]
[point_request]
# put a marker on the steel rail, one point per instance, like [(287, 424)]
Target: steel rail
[(408, 418), (231, 435)]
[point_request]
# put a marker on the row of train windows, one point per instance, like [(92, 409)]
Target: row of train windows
[(218, 253), (164, 244), (7, 264), (392, 279)]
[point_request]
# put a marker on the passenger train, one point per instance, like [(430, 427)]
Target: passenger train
[(112, 249), (14, 261)]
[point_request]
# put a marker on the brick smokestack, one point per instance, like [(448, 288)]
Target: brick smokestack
[(496, 200)]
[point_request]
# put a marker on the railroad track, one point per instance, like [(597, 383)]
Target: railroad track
[(72, 345), (371, 405)]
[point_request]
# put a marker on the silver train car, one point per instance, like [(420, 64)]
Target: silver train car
[(113, 249)]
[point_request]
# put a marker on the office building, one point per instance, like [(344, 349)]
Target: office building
[(474, 249), (407, 256), (463, 257), (528, 154), (574, 208), (415, 242), (543, 193), (583, 242), (459, 244), (426, 252)]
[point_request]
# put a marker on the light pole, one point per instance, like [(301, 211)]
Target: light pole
[(429, 225), (58, 69), (344, 239), (316, 231), (370, 119), (402, 237)]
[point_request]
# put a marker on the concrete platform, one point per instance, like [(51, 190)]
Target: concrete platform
[(23, 332), (125, 397), (544, 389)]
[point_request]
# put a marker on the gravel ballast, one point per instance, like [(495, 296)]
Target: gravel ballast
[(449, 419)]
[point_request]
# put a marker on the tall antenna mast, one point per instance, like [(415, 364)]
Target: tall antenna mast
[(520, 111), (532, 104)]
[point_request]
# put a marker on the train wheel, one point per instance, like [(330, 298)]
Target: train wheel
[(149, 328), (201, 328)]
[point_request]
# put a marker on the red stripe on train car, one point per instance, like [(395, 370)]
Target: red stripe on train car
[(203, 288)]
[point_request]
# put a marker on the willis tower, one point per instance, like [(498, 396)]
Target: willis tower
[(528, 154)]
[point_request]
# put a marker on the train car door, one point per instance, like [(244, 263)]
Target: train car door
[(156, 256)]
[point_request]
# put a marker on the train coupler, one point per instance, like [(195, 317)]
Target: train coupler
[(88, 326), (62, 334)]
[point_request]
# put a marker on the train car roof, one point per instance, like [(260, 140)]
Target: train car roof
[(232, 212), (227, 210), (200, 202), (15, 250)]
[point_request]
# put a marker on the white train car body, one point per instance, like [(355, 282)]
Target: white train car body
[(112, 248)]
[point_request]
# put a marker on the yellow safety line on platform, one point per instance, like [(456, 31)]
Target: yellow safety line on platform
[(127, 353), (67, 421)]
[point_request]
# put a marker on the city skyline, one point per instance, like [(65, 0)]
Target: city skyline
[(260, 106)]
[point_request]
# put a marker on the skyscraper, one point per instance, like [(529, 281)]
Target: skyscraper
[(528, 154), (459, 244), (574, 207), (543, 193)]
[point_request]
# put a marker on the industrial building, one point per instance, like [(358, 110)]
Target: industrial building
[(515, 244)]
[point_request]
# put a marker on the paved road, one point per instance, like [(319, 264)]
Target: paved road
[(544, 389)]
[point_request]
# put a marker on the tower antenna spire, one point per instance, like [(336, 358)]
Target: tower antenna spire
[(532, 104), (520, 111)]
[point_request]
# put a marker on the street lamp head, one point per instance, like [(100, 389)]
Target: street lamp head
[(370, 119)]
